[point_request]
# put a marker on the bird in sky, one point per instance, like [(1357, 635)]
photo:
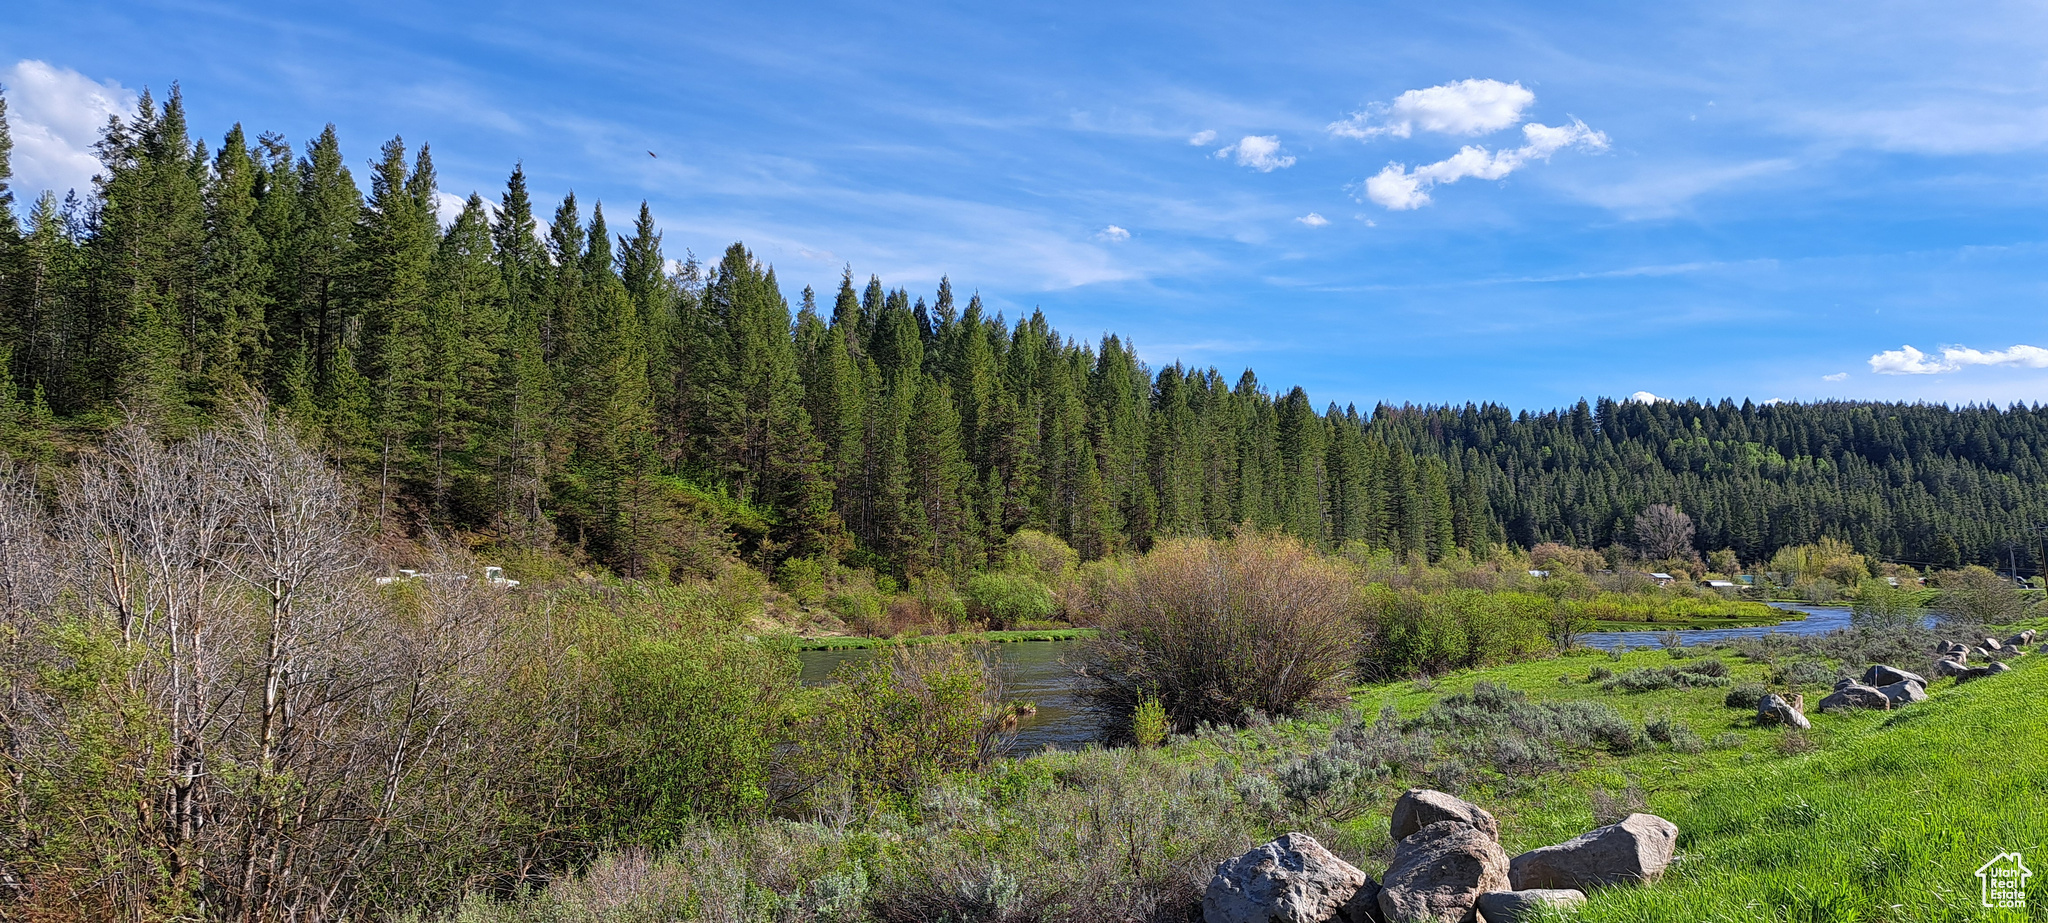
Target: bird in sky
[(650, 153)]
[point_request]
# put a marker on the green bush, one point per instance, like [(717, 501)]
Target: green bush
[(1004, 599), (1148, 724), (689, 736), (893, 725), (1746, 695), (803, 579)]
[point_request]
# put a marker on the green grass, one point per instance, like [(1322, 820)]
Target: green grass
[(849, 643), (1886, 821)]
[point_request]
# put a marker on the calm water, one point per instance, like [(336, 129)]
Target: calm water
[(1032, 671), (1819, 620)]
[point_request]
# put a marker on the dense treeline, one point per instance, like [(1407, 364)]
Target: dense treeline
[(559, 384)]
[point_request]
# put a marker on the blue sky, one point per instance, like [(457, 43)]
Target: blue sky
[(1516, 202)]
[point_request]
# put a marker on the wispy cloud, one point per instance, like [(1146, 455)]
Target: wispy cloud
[(1259, 152), (56, 114), (1399, 188), (1113, 233), (1463, 108), (1201, 137), (1313, 220), (1838, 376), (1907, 360)]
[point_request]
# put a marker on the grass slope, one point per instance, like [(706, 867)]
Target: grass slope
[(1888, 823)]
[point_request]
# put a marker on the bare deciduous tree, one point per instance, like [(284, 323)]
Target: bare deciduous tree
[(1662, 533)]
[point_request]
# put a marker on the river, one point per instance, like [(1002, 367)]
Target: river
[(1036, 671)]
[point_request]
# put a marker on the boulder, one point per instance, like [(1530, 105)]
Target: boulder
[(1290, 880), (1773, 709), (1903, 692), (1516, 906), (2020, 640), (1947, 667), (1364, 905), (1419, 807), (1847, 681), (1989, 669), (1980, 653), (1856, 696), (1636, 850), (1992, 644), (1881, 675), (1797, 700), (1439, 872)]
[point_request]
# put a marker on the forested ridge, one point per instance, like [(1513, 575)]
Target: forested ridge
[(552, 383)]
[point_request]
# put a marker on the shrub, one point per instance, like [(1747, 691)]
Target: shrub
[(1333, 784), (1148, 724), (1673, 733), (1880, 606), (1214, 630), (1615, 807), (1746, 695), (1003, 599), (803, 579), (892, 725), (1804, 673), (1598, 674), (1411, 632)]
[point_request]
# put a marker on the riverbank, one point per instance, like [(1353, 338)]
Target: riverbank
[(857, 643)]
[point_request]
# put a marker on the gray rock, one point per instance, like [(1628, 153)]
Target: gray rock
[(1980, 653), (1947, 667), (1636, 850), (1419, 807), (1904, 692), (1991, 644), (1773, 709), (1989, 669), (1364, 905), (2020, 640), (1290, 880), (1847, 681), (1439, 872), (1515, 906), (1881, 675), (1855, 696)]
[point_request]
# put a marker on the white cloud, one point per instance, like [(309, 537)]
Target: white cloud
[(822, 256), (1313, 220), (1645, 397), (1399, 188), (1201, 137), (1113, 233), (56, 115), (1838, 376), (1259, 152), (1909, 361), (1466, 108)]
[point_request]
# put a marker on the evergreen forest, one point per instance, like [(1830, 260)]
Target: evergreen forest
[(528, 376)]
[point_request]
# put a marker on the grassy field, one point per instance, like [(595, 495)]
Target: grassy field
[(1873, 817)]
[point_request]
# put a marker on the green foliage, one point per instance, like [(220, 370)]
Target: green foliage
[(1149, 726), (803, 579), (1880, 606), (1005, 600), (689, 735), (891, 726)]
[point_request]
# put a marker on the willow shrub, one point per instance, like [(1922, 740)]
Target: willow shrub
[(1219, 630), (1414, 632)]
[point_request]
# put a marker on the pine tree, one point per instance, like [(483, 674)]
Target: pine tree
[(235, 291), (465, 339), (329, 205), (395, 246)]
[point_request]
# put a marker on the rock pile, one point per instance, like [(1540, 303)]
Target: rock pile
[(1776, 709), (1448, 867)]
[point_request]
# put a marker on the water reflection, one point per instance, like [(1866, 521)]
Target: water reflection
[(1819, 620)]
